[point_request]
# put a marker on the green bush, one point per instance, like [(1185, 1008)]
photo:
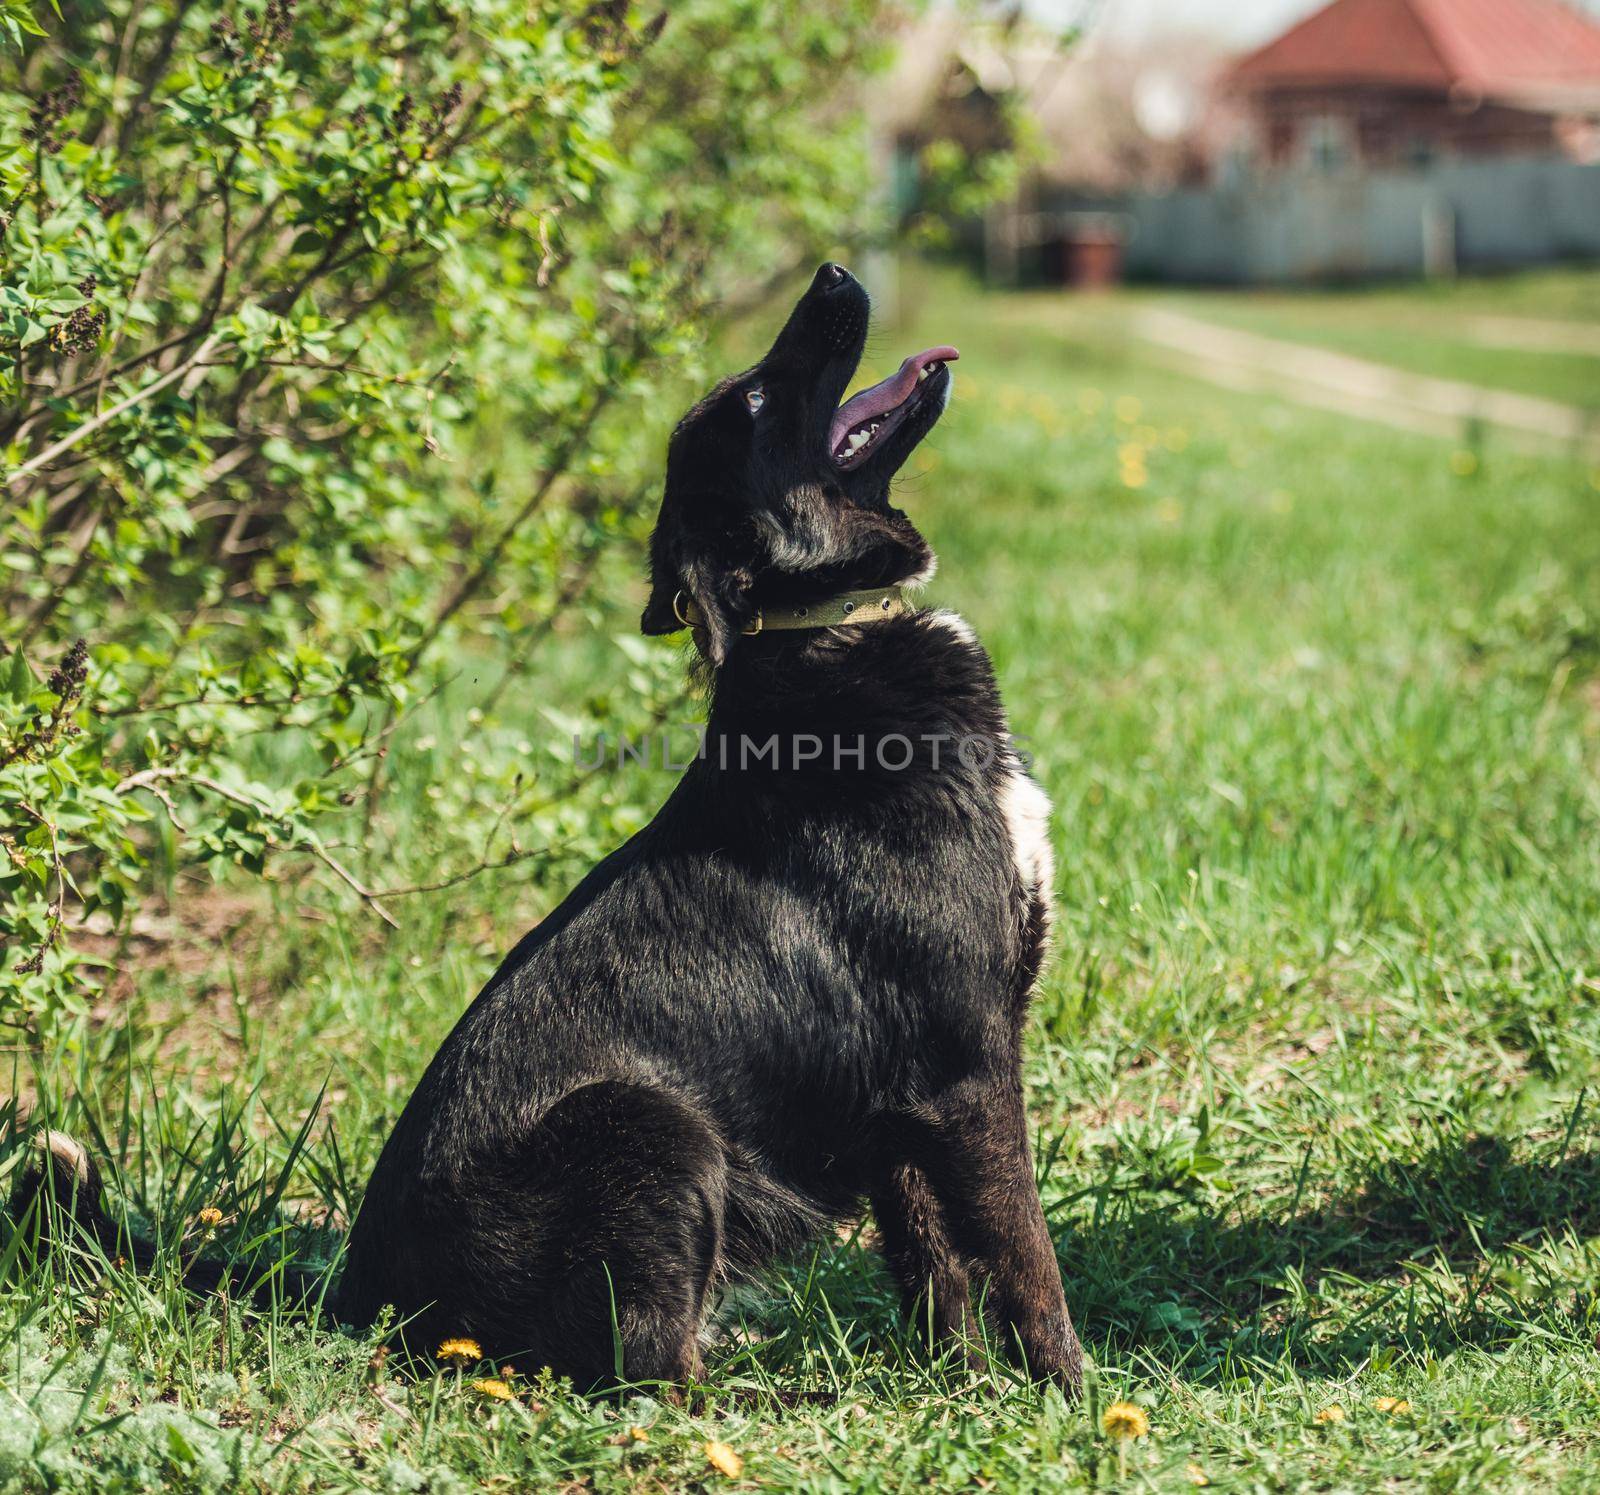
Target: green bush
[(325, 335)]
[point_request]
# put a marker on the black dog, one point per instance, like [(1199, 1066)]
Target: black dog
[(801, 986)]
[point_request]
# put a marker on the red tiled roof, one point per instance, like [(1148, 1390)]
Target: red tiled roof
[(1496, 48)]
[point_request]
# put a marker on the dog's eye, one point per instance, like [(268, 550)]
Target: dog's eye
[(755, 398)]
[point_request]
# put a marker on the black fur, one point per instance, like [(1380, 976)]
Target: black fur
[(801, 987)]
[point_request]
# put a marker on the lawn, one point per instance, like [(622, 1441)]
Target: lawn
[(1313, 1068), (1533, 334)]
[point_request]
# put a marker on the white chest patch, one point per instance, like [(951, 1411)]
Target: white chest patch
[(954, 623), (1026, 808)]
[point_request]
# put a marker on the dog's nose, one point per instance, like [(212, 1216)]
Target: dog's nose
[(831, 275)]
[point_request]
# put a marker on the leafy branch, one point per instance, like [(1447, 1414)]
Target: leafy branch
[(334, 347)]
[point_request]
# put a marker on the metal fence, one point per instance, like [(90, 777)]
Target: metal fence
[(1471, 215)]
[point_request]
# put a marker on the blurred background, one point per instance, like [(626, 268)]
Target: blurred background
[(339, 346), (1265, 145)]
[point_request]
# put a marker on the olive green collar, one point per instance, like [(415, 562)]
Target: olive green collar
[(870, 606)]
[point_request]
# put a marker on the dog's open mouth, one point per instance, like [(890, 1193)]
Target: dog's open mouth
[(866, 419)]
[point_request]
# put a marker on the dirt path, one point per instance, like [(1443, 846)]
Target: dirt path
[(1355, 386), (1535, 335)]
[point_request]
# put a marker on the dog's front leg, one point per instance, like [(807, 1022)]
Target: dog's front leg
[(977, 1158)]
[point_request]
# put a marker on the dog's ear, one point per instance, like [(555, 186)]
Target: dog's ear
[(659, 616), (721, 598), (661, 612)]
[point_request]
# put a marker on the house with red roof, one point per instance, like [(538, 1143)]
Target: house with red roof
[(1393, 138), (1384, 83), (1375, 139)]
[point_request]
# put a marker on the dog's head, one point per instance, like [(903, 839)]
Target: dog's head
[(778, 494)]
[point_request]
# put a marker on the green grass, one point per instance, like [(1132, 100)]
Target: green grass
[(1314, 1068)]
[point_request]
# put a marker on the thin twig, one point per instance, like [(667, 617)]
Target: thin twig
[(154, 73), (392, 724), (89, 427), (81, 543), (515, 855), (305, 841), (251, 703), (534, 633), (54, 919), (469, 585)]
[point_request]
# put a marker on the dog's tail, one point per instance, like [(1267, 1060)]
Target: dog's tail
[(59, 1197)]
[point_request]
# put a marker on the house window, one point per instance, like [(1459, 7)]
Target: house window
[(1325, 143)]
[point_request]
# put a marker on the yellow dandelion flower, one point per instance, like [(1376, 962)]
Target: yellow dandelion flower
[(1395, 1406), (209, 1218), (1125, 1420), (1196, 1475), (1463, 464), (724, 1460), (1134, 476), (1129, 409), (1333, 1412), (1169, 511), (461, 1350), (639, 1435), (494, 1388)]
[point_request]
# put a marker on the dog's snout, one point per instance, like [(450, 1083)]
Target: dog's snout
[(831, 275)]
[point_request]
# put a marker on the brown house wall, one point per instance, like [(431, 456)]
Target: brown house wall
[(1389, 127)]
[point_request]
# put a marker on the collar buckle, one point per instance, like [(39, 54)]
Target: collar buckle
[(682, 604)]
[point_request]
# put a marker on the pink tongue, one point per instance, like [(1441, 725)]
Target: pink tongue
[(884, 397)]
